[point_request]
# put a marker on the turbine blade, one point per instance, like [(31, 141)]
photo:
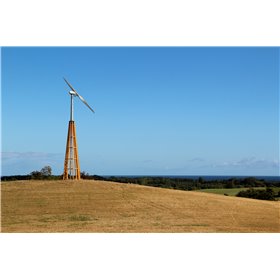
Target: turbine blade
[(69, 85), (82, 99)]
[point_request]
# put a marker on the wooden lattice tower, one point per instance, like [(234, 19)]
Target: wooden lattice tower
[(71, 162)]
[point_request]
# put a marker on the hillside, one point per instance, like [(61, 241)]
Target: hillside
[(98, 206)]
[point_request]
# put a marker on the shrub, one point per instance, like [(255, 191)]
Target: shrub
[(267, 194)]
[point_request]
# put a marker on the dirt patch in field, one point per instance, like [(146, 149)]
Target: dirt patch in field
[(97, 206)]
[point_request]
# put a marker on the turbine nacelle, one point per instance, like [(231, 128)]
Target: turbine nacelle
[(71, 92)]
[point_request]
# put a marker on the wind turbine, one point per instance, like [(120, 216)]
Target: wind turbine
[(71, 162)]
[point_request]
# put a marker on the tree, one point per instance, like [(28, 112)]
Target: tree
[(230, 184), (46, 171), (200, 180), (36, 175), (267, 194), (84, 175)]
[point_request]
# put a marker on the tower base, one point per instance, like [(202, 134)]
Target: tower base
[(71, 162)]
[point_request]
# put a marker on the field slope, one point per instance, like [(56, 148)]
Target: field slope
[(97, 206)]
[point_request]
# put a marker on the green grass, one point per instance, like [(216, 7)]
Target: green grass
[(230, 192)]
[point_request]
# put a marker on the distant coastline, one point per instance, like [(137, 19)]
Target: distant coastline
[(190, 177)]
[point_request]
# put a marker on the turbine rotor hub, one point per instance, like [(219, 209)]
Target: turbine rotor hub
[(71, 92)]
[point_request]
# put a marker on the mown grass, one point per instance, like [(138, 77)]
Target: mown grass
[(81, 218), (101, 206)]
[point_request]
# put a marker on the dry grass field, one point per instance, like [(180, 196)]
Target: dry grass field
[(97, 206)]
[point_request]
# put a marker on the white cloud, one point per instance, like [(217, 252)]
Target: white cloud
[(197, 159), (17, 163), (27, 155), (252, 162), (245, 166)]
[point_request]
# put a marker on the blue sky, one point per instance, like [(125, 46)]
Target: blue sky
[(159, 111)]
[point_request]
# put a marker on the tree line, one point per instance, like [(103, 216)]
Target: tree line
[(46, 174), (194, 184)]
